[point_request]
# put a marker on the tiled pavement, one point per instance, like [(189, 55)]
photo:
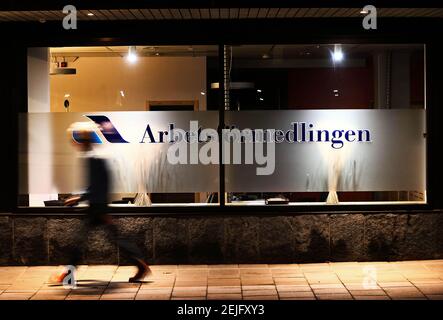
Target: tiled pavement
[(337, 281)]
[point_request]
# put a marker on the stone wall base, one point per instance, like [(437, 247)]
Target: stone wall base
[(45, 240)]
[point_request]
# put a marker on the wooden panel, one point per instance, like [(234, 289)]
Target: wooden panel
[(283, 12), (253, 12), (311, 12), (128, 14), (224, 13), (431, 12), (204, 13), (215, 13), (262, 13), (398, 12), (51, 15), (243, 13), (137, 14), (195, 14), (301, 12), (83, 15), (335, 13), (233, 13), (186, 14), (6, 16), (157, 14), (292, 12), (272, 13), (117, 14), (166, 13), (99, 14), (176, 14), (413, 12), (108, 14), (147, 13), (56, 14), (321, 12), (437, 13), (18, 16)]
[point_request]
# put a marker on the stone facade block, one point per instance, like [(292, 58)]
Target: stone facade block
[(347, 237), (138, 232), (311, 238), (34, 240), (63, 237), (276, 239), (5, 240), (423, 236), (242, 240), (170, 240), (384, 236), (30, 241), (101, 246), (206, 240)]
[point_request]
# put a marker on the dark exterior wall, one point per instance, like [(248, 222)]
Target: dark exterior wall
[(41, 240)]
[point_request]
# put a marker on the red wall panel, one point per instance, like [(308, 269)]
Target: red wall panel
[(313, 88)]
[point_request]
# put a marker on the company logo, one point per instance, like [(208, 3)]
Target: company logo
[(105, 127)]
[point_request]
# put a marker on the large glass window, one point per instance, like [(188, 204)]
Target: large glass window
[(132, 96), (348, 120), (304, 124)]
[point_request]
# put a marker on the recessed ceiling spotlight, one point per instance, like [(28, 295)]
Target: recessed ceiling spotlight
[(90, 14), (265, 56), (157, 54), (42, 20), (202, 93), (258, 90), (337, 55), (363, 12), (132, 54)]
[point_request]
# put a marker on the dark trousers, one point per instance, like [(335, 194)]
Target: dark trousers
[(96, 216)]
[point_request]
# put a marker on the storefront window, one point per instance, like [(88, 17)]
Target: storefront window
[(315, 124), (132, 96), (348, 123)]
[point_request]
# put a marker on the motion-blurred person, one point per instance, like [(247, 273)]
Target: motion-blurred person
[(99, 185)]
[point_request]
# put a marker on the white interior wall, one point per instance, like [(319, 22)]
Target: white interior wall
[(99, 81), (39, 102)]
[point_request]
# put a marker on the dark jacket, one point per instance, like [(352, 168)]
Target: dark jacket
[(99, 182)]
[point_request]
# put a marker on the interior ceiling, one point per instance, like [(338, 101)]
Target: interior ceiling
[(246, 51), (215, 13)]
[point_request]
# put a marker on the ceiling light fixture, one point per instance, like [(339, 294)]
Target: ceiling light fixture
[(90, 14), (337, 55), (132, 54)]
